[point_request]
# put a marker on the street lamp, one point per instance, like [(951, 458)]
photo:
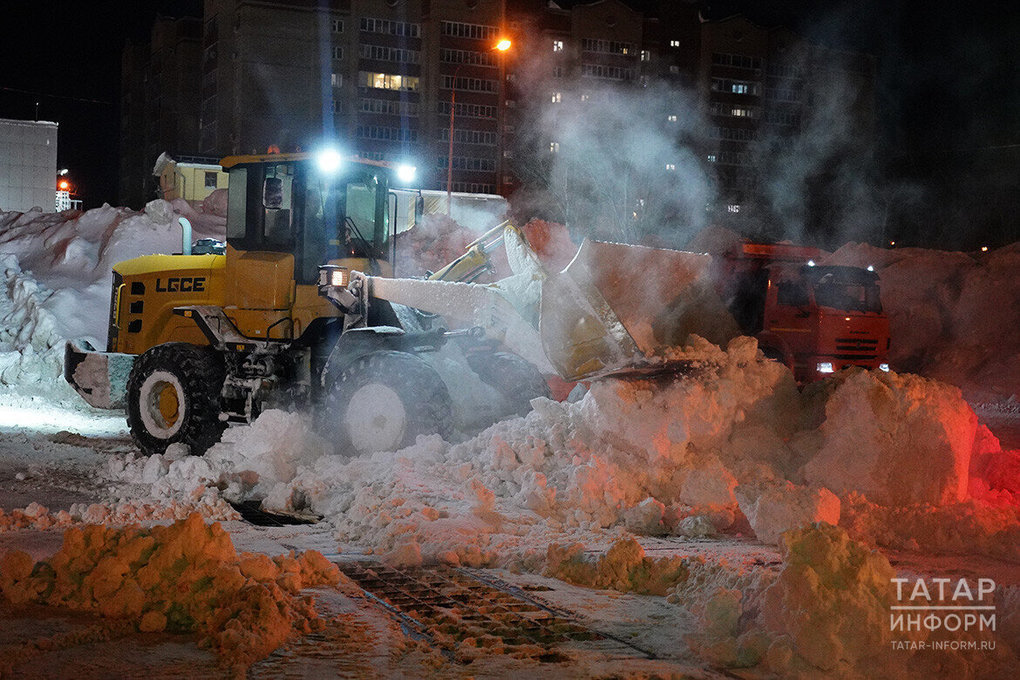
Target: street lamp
[(502, 46)]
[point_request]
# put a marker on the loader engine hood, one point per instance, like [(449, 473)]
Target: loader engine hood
[(147, 289)]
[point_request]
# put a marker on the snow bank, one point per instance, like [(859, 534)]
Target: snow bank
[(31, 347), (185, 577), (732, 447), (897, 439), (827, 615)]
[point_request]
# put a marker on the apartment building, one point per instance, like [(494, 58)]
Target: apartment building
[(381, 78), (159, 102)]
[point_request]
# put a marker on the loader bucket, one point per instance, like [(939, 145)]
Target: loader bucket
[(620, 308)]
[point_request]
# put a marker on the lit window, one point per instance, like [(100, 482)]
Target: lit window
[(740, 112), (739, 88), (711, 158), (646, 55), (554, 147), (336, 79), (585, 97), (674, 43), (671, 118), (670, 167), (557, 45), (733, 208), (388, 81), (557, 97)]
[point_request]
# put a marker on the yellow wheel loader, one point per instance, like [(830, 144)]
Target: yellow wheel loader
[(197, 341)]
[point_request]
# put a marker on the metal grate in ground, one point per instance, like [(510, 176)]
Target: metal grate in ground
[(455, 609)]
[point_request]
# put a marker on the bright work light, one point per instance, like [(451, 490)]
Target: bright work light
[(329, 160), (406, 173)]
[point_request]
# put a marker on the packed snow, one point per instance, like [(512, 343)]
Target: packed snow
[(731, 449)]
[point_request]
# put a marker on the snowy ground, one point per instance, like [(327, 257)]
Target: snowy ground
[(706, 472)]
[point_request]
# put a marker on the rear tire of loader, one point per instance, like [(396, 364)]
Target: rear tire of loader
[(173, 396), (512, 376), (383, 401)]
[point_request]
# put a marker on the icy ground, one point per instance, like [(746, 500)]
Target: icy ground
[(706, 471)]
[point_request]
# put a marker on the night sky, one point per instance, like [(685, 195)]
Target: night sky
[(948, 88)]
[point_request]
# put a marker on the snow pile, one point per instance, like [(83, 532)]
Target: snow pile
[(897, 439), (120, 513), (31, 348), (952, 316), (729, 448), (827, 615), (624, 567), (185, 577)]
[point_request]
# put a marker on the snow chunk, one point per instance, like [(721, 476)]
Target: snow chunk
[(772, 509), (897, 439)]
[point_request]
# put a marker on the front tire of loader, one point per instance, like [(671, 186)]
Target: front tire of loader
[(383, 401), (173, 396)]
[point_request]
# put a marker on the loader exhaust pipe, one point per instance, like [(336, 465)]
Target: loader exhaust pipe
[(185, 235)]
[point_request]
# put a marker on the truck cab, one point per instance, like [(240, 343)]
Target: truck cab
[(816, 319)]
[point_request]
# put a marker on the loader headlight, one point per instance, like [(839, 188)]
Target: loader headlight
[(329, 161), (883, 367), (332, 275), (824, 367), (406, 173)]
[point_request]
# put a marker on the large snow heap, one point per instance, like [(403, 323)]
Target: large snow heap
[(185, 577), (731, 445)]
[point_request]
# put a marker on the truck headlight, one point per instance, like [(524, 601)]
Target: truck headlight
[(332, 275), (883, 367), (824, 367)]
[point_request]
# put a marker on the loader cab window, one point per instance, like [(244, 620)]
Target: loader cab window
[(260, 212), (343, 216), (277, 206)]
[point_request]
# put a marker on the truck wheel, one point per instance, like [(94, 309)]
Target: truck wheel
[(512, 376), (383, 401), (173, 396)]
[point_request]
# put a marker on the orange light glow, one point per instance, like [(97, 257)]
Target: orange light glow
[(64, 185), (503, 45)]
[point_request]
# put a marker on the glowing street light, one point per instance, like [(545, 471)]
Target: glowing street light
[(502, 46)]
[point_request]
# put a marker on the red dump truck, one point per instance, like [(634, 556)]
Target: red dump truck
[(814, 318)]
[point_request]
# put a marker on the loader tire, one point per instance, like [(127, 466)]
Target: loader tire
[(173, 396), (512, 376), (383, 401)]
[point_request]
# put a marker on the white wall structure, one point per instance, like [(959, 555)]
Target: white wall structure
[(28, 164)]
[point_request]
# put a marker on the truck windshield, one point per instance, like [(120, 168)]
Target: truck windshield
[(848, 290)]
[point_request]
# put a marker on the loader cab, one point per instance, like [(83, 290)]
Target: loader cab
[(313, 209)]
